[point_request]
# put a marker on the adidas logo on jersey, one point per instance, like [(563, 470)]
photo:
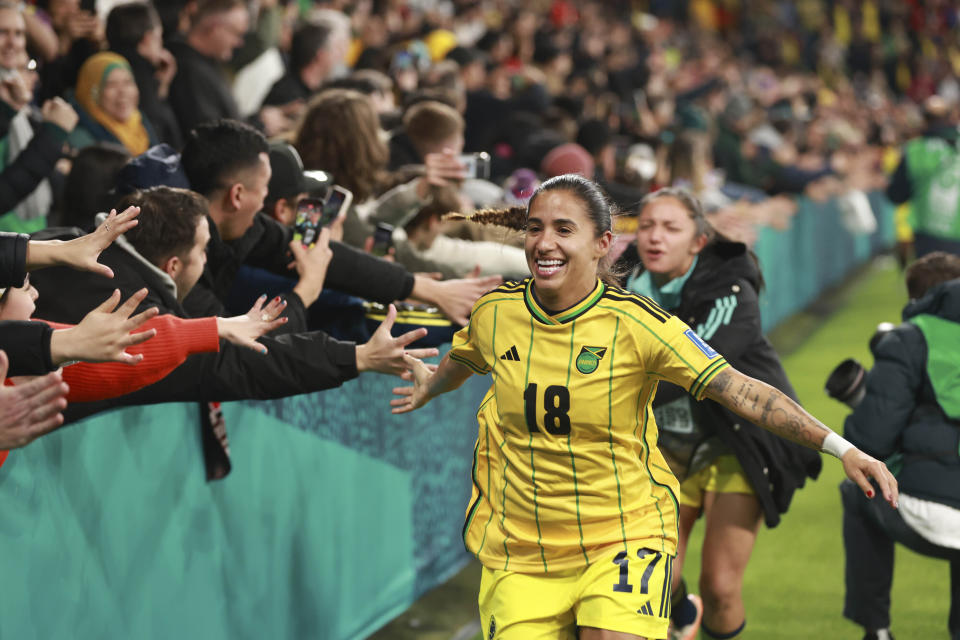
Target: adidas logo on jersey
[(511, 354)]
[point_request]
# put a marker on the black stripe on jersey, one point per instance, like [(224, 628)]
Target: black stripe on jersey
[(705, 375), (468, 364), (512, 286), (644, 303), (476, 503), (620, 291)]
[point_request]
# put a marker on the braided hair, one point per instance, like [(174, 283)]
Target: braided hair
[(594, 201)]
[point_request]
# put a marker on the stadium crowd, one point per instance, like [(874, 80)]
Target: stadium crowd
[(154, 157)]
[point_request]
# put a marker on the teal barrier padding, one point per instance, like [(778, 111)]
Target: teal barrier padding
[(814, 254), (335, 518)]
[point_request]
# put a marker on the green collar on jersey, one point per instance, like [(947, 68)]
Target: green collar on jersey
[(565, 315)]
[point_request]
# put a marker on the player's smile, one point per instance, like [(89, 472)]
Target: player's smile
[(546, 267), (562, 249)]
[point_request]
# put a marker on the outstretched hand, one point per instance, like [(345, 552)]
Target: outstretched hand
[(416, 396), (105, 333), (860, 468), (384, 353), (244, 330), (31, 409), (83, 252), (456, 297)]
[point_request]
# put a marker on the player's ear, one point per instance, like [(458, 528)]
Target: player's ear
[(604, 243)]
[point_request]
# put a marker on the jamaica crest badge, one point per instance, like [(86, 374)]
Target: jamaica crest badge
[(589, 359)]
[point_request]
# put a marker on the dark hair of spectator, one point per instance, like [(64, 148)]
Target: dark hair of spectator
[(465, 56), (593, 136), (217, 151), (929, 271), (687, 158), (88, 187), (432, 94), (381, 81), (167, 222), (128, 23), (340, 134), (354, 83), (594, 200), (212, 7), (429, 123), (307, 41)]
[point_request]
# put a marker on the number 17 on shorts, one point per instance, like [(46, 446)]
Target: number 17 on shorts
[(629, 592), (625, 590)]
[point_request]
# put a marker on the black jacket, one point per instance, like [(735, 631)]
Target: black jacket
[(720, 302), (289, 88), (199, 92), (296, 363), (266, 245), (902, 413), (13, 258), (27, 344)]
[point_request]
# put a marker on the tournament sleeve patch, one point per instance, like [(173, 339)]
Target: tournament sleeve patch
[(706, 349)]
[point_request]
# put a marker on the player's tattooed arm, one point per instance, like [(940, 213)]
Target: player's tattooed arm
[(761, 404)]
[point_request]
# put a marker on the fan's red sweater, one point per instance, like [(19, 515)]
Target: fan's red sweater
[(176, 339)]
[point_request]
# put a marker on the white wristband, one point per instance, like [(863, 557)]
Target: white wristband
[(835, 445)]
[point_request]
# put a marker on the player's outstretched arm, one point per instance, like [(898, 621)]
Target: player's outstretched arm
[(766, 406), (428, 381)]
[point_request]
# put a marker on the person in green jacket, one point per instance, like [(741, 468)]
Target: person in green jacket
[(910, 416)]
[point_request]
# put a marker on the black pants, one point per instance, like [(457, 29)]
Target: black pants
[(870, 529)]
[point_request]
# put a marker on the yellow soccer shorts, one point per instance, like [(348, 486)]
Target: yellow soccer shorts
[(626, 591), (723, 475)]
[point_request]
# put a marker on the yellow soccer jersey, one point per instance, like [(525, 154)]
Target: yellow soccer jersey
[(566, 463)]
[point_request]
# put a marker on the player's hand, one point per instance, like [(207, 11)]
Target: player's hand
[(416, 396), (244, 330), (384, 353), (860, 468)]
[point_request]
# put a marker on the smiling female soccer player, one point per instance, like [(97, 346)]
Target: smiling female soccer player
[(574, 510)]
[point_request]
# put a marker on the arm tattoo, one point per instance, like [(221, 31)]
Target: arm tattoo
[(767, 407), (720, 383)]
